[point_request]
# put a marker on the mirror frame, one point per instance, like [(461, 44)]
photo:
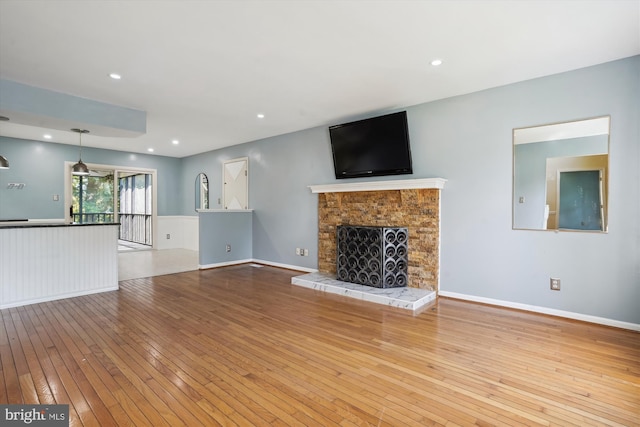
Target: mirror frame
[(202, 191), (560, 160)]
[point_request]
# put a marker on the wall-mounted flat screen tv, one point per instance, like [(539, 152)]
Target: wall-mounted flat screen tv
[(372, 147)]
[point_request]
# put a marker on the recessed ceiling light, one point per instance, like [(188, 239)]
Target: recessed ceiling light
[(150, 150), (46, 136), (260, 116), (436, 62), (175, 142), (115, 76)]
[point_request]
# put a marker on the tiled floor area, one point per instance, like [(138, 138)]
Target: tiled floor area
[(134, 264)]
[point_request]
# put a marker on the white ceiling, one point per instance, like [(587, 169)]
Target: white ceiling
[(203, 70)]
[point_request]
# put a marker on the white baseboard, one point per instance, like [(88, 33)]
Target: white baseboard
[(287, 266), (224, 264), (257, 261), (544, 310), (57, 297)]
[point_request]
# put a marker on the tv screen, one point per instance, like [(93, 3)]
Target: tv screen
[(372, 147)]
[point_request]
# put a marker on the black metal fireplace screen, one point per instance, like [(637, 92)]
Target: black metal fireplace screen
[(373, 256)]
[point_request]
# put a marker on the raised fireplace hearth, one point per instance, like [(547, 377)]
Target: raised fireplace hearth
[(372, 256)]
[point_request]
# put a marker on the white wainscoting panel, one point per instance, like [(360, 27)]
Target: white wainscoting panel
[(182, 229), (40, 264)]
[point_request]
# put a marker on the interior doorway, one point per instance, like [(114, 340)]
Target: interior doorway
[(115, 194), (135, 207)]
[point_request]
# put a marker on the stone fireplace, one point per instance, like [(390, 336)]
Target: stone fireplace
[(414, 204)]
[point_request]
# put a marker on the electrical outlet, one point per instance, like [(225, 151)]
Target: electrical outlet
[(168, 236), (306, 252), (297, 251), (555, 284), (228, 247)]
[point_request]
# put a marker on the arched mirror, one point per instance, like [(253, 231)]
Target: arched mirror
[(561, 175), (202, 191)]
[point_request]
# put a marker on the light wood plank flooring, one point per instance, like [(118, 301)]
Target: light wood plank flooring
[(241, 346)]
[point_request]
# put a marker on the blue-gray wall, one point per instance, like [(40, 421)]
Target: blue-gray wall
[(40, 165), (219, 229), (280, 169), (481, 254), (467, 140)]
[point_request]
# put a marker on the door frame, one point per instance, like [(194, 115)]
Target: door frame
[(68, 191)]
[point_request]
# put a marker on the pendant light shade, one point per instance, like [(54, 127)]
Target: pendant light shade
[(80, 168)]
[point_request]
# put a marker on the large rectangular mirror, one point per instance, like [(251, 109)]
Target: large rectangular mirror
[(561, 175)]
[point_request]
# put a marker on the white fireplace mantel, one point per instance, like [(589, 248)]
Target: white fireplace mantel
[(398, 184)]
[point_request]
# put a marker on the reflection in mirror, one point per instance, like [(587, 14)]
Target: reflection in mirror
[(560, 176), (202, 191)]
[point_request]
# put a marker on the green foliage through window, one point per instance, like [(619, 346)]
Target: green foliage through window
[(93, 194)]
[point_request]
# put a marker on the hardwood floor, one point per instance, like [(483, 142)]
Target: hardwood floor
[(241, 346)]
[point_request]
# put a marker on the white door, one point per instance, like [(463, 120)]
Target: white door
[(235, 188)]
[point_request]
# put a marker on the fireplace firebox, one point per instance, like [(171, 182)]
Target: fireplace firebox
[(372, 256)]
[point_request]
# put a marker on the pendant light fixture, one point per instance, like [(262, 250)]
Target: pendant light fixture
[(80, 168)]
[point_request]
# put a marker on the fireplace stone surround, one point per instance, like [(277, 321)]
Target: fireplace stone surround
[(415, 203)]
